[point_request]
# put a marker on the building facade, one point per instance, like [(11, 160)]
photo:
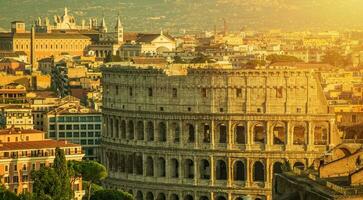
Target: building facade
[(210, 133)]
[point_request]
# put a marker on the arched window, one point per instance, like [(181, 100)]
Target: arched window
[(139, 165), (161, 167), (174, 197), (140, 130), (174, 168), (321, 134), (206, 133), (299, 165), (239, 171), (150, 131), (188, 169), (222, 134), (277, 168), (149, 166), (123, 129), (176, 132), (203, 198), (139, 196), (221, 198), (258, 172), (149, 196), (131, 130), (188, 197), (204, 169), (191, 133), (221, 170), (299, 135), (279, 134), (162, 132), (240, 134), (259, 134)]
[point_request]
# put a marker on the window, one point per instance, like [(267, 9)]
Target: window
[(69, 127), (75, 134), (76, 127), (69, 134), (98, 126), (52, 127), (175, 93), (15, 167), (130, 92), (204, 92), (90, 127), (15, 179), (279, 92), (354, 118), (239, 92), (90, 134), (61, 127), (150, 92), (83, 142), (84, 134), (161, 108), (83, 127), (116, 88), (6, 168), (61, 134)]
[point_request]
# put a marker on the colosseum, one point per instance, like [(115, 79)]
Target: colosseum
[(210, 133)]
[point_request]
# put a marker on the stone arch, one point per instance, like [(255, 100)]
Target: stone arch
[(203, 197), (204, 169), (174, 168), (161, 167), (130, 164), (188, 197), (123, 129), (239, 171), (149, 196), (162, 132), (321, 133), (277, 168), (140, 130), (258, 172), (131, 128), (279, 133), (222, 133), (162, 49), (150, 131), (149, 166), (299, 134), (221, 170), (191, 133), (240, 134), (299, 165), (259, 133), (174, 197), (189, 169), (206, 133), (220, 197), (139, 165), (139, 196), (161, 196), (176, 132)]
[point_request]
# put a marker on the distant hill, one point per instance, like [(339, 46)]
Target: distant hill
[(176, 15)]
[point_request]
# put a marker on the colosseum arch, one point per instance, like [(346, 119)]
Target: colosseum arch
[(221, 197), (139, 196), (123, 129), (299, 134), (321, 133), (117, 131), (175, 130), (130, 127), (259, 133), (222, 133), (150, 131), (130, 164), (258, 172), (121, 164), (162, 132), (174, 197), (205, 169), (174, 168), (206, 133), (139, 165), (279, 133), (161, 196), (239, 171), (240, 134), (299, 165), (149, 196), (149, 166), (277, 168), (188, 169), (221, 170), (161, 167), (203, 198), (191, 133), (140, 130), (188, 197)]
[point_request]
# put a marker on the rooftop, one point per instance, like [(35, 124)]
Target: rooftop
[(36, 145)]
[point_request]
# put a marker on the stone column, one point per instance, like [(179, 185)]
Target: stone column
[(196, 170), (167, 132), (249, 134), (212, 171), (181, 135), (196, 136), (269, 135), (229, 172), (105, 126), (212, 135), (249, 173), (310, 136), (289, 135), (230, 135), (269, 174)]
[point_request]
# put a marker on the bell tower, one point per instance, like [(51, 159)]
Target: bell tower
[(119, 31)]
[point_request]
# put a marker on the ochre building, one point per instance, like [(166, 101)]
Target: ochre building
[(210, 133)]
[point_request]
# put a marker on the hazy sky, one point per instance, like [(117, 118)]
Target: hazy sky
[(150, 15)]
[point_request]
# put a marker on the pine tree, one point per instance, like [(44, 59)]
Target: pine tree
[(60, 167)]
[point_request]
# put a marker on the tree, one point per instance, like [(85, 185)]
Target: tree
[(46, 184), (74, 172), (60, 167), (7, 195), (92, 172), (111, 195)]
